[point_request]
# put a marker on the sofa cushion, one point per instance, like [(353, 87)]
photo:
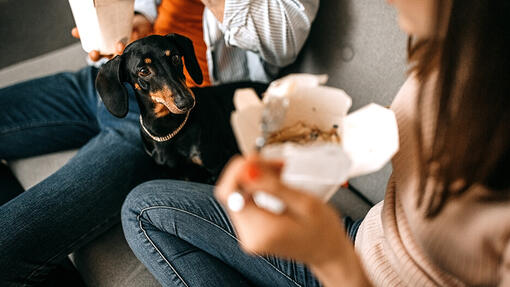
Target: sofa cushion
[(109, 262)]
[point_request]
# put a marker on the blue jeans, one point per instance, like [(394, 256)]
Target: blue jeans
[(184, 237), (83, 198)]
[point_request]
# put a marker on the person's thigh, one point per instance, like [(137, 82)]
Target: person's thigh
[(167, 223), (48, 114), (175, 262), (70, 207)]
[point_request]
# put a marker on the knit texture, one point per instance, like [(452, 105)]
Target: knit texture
[(466, 244)]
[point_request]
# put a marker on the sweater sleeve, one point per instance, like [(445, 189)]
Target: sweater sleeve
[(275, 29)]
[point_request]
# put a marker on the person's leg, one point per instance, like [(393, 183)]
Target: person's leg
[(184, 237), (48, 114), (45, 115), (83, 198), (37, 115), (69, 208)]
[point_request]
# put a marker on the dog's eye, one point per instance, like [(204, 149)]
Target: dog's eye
[(176, 59), (144, 72)]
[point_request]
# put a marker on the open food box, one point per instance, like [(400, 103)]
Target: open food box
[(103, 23), (365, 140)]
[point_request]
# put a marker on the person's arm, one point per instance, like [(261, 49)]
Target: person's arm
[(275, 29), (307, 230), (334, 272)]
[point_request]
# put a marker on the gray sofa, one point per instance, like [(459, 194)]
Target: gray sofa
[(356, 42)]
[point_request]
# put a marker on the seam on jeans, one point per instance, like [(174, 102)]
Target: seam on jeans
[(35, 272), (159, 251), (217, 226), (43, 125)]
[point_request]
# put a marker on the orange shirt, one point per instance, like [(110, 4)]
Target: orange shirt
[(185, 17)]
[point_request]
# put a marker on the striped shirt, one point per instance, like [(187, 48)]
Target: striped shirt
[(255, 39)]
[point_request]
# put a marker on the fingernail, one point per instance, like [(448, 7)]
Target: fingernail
[(252, 171), (269, 202), (235, 201)]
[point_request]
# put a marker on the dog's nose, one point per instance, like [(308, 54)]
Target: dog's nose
[(184, 103)]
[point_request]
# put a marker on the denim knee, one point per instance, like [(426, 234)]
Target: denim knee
[(142, 196), (178, 194), (130, 211), (134, 200)]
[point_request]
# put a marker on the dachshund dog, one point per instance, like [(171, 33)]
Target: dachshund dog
[(186, 129)]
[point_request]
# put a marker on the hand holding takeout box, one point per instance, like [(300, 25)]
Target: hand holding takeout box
[(103, 23)]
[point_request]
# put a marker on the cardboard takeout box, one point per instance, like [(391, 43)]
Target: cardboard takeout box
[(368, 137), (103, 23)]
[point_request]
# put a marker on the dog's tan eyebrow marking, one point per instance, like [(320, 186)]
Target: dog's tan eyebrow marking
[(137, 86), (148, 60), (167, 52)]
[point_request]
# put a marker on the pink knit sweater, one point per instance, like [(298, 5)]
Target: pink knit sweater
[(468, 243)]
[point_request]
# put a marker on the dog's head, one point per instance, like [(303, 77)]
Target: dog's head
[(153, 66)]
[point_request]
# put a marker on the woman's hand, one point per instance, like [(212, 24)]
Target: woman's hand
[(141, 28), (308, 230)]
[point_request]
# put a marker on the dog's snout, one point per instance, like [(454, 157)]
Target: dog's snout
[(185, 102)]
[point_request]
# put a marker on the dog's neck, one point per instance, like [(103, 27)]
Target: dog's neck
[(162, 126)]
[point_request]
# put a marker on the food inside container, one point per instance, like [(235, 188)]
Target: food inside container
[(302, 133)]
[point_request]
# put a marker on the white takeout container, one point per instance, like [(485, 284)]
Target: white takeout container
[(368, 137), (103, 23)]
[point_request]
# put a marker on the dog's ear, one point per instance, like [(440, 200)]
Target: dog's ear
[(109, 85), (186, 48)]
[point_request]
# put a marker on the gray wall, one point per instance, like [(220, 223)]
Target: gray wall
[(29, 28)]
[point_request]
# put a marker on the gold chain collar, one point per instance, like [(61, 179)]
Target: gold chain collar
[(168, 136)]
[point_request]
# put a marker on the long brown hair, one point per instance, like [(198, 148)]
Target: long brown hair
[(471, 141)]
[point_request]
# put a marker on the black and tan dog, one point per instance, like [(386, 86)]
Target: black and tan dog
[(186, 129)]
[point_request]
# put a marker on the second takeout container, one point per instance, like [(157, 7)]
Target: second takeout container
[(103, 23), (368, 137)]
